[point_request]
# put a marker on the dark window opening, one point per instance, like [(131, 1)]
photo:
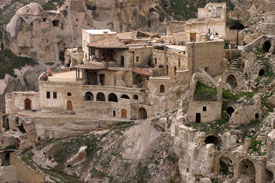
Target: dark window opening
[(161, 89), (257, 115), (114, 113), (44, 19), (69, 94), (204, 108), (48, 94), (135, 97), (55, 23), (54, 95), (206, 69)]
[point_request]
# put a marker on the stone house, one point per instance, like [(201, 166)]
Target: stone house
[(211, 18)]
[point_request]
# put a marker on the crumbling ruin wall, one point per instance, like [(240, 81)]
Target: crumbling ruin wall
[(25, 174), (8, 174)]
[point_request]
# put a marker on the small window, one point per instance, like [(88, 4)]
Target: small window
[(114, 113), (179, 63), (54, 95), (135, 97), (156, 61), (48, 94), (161, 89), (69, 94), (137, 59), (204, 108), (257, 115)]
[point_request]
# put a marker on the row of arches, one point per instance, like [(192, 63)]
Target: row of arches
[(111, 97)]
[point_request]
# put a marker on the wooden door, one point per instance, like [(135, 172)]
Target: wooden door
[(192, 37), (227, 55), (123, 113), (69, 105), (28, 104)]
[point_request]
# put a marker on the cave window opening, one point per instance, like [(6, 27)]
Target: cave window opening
[(44, 19), (212, 140), (230, 110), (55, 23), (266, 46), (257, 115), (261, 72)]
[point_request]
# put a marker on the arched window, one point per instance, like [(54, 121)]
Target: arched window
[(89, 96), (100, 97), (125, 96), (112, 97), (161, 89)]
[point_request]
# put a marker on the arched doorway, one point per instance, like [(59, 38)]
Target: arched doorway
[(142, 113), (230, 110), (247, 171), (89, 96), (69, 105), (28, 104), (266, 46), (232, 81), (123, 113), (122, 61), (112, 98)]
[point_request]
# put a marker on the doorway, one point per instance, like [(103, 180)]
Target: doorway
[(198, 117), (192, 37), (28, 104), (69, 105), (122, 61), (123, 113), (101, 79)]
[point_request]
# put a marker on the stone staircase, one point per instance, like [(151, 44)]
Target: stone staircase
[(236, 64)]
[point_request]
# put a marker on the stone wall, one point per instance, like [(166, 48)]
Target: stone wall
[(17, 101), (205, 55), (25, 174), (208, 110)]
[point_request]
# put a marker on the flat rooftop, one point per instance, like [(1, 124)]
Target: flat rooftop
[(99, 31), (69, 76)]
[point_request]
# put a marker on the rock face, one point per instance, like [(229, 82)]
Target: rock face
[(127, 153), (44, 36)]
